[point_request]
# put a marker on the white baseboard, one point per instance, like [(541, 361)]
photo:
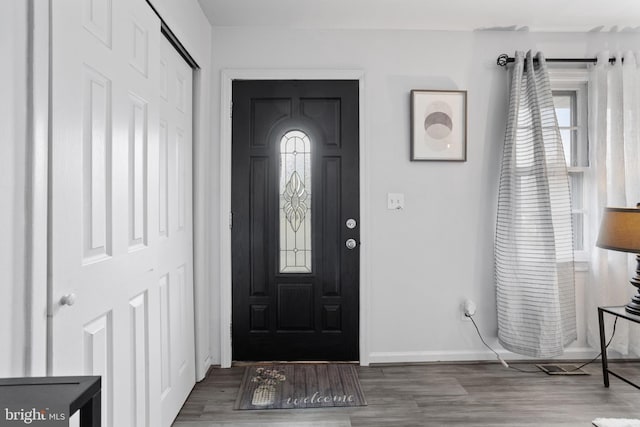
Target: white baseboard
[(581, 353), (202, 370)]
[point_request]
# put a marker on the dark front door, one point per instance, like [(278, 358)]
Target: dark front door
[(295, 206)]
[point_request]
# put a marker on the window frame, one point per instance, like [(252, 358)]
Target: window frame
[(576, 81)]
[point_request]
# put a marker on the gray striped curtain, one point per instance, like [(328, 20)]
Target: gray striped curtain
[(534, 239)]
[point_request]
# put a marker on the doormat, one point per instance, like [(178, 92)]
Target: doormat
[(297, 386), (562, 369)]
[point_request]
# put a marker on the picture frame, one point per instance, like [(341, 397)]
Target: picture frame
[(439, 125)]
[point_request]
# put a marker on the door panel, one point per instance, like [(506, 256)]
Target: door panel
[(295, 184), (175, 233), (110, 210)]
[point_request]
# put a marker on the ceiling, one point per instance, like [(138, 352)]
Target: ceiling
[(457, 15)]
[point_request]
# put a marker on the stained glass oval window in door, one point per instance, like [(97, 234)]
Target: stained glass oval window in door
[(295, 202)]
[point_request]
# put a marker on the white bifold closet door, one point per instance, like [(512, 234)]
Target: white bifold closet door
[(121, 201)]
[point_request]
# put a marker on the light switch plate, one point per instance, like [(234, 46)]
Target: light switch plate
[(395, 201)]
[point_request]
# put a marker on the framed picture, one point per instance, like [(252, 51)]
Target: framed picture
[(439, 125)]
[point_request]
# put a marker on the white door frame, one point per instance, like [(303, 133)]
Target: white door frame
[(37, 193), (227, 78)]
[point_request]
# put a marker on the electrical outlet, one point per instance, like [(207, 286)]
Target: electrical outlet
[(461, 312), (469, 308), (395, 201)]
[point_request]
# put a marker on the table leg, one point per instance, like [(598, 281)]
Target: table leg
[(603, 349), (90, 413)]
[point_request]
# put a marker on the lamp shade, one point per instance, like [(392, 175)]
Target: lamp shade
[(620, 230)]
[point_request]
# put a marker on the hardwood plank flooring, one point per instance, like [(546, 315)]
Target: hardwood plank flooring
[(478, 394)]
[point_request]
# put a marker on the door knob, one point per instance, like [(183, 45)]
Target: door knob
[(351, 244), (68, 299)]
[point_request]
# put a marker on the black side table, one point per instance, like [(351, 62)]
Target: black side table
[(620, 313), (43, 397)]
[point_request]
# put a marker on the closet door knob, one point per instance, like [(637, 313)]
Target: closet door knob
[(68, 299)]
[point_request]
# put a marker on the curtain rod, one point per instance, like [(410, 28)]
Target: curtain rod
[(505, 59)]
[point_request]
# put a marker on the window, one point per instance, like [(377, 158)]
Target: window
[(569, 90), (295, 203)]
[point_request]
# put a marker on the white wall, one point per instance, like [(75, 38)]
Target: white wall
[(423, 261), (13, 131)]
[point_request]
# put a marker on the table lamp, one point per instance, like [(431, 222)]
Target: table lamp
[(620, 231)]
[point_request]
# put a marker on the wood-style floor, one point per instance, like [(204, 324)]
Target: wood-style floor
[(485, 394)]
